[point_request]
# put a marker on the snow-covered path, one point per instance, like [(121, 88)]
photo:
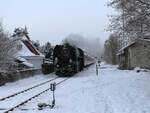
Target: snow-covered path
[(112, 91)]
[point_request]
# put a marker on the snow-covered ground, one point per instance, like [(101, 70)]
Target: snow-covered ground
[(13, 87), (112, 91)]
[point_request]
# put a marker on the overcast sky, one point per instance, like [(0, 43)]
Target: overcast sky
[(52, 20)]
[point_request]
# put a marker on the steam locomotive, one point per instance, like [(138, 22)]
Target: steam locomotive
[(68, 60)]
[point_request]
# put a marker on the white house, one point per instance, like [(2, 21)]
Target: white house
[(27, 52)]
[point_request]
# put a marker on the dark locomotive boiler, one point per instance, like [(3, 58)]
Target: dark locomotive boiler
[(67, 60)]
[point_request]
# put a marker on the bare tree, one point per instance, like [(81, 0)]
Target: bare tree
[(111, 48), (7, 49)]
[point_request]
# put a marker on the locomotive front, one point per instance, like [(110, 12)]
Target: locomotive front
[(64, 64)]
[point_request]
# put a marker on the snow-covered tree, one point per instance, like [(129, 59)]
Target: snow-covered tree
[(133, 19), (47, 47), (111, 49), (36, 44), (7, 49)]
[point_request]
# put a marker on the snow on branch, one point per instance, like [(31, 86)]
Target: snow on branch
[(144, 2), (7, 49)]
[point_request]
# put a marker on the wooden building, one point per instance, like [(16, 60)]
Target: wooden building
[(136, 54)]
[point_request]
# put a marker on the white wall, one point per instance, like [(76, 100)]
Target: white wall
[(35, 60)]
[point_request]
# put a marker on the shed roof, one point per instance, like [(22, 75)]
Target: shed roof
[(27, 47), (121, 51)]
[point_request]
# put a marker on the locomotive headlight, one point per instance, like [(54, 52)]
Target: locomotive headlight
[(56, 61), (70, 61), (57, 65)]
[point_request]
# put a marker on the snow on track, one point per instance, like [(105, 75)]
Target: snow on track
[(14, 101), (112, 91), (10, 88)]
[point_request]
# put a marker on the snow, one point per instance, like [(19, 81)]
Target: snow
[(24, 51), (29, 59), (112, 91), (21, 59), (126, 46), (148, 40), (10, 88), (25, 62), (28, 64)]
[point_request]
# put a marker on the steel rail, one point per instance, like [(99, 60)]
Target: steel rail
[(23, 91), (26, 101)]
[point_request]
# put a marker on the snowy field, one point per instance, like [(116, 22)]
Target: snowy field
[(112, 91)]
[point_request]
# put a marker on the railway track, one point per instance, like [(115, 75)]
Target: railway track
[(28, 89), (37, 92), (25, 90)]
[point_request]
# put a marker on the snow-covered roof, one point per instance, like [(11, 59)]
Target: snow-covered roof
[(21, 59), (144, 39), (28, 64), (121, 51), (25, 62), (24, 51), (27, 48)]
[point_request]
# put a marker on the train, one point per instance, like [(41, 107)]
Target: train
[(68, 60)]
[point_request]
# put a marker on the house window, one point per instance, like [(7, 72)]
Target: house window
[(19, 46)]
